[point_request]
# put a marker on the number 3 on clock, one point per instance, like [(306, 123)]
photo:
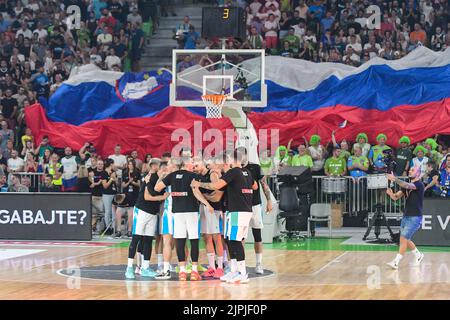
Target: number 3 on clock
[(226, 13)]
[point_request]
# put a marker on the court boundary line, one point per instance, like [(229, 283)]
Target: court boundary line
[(335, 260)]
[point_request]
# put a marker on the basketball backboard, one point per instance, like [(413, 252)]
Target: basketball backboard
[(239, 74)]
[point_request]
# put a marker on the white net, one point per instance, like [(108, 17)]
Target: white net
[(214, 104)]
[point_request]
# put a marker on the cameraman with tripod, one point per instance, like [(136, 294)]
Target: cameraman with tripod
[(412, 216)]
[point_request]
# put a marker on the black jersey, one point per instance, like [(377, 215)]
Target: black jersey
[(183, 199), (255, 170), (239, 190), (207, 178), (151, 207)]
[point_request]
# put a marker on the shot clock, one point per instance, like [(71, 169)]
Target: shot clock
[(223, 22)]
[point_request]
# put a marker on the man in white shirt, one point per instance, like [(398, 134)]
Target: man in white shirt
[(300, 30), (15, 163), (255, 6), (24, 31), (272, 2), (351, 56), (104, 38), (41, 32), (120, 161), (112, 59), (70, 169), (355, 45), (372, 45)]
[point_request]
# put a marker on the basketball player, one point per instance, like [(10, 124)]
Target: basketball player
[(412, 216), (211, 223), (256, 223), (166, 226), (239, 185), (145, 218), (185, 208)]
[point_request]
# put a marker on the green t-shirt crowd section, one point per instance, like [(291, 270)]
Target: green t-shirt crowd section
[(360, 158)]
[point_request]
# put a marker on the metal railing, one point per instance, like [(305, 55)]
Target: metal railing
[(35, 180), (354, 195)]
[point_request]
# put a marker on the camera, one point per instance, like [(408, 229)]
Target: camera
[(389, 160)]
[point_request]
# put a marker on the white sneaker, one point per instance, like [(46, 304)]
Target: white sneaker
[(393, 264), (228, 276), (232, 277), (240, 278), (137, 270), (418, 259), (259, 269)]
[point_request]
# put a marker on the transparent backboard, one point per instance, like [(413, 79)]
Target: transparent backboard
[(239, 74)]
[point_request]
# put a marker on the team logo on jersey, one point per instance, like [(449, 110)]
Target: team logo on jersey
[(245, 173), (179, 194)]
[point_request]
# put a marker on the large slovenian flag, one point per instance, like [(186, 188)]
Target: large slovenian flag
[(409, 97)]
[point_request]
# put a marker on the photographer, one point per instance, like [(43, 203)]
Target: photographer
[(412, 216)]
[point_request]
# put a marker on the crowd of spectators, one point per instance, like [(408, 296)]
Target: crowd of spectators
[(41, 42), (359, 159), (334, 30)]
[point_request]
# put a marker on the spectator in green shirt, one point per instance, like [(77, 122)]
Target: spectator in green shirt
[(345, 154), (302, 158), (431, 146), (404, 156), (294, 41), (335, 166)]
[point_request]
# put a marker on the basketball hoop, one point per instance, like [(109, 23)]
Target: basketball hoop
[(214, 104)]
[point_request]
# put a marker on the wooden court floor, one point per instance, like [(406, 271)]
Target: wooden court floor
[(33, 272)]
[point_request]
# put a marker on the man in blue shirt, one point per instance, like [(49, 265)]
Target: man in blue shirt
[(41, 83), (327, 22), (316, 11), (445, 179), (3, 23), (192, 38)]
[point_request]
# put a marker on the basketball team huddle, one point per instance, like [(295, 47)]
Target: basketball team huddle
[(186, 198)]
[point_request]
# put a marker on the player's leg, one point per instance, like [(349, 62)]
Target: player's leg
[(159, 252), (207, 237), (139, 257), (148, 234), (239, 230), (256, 223), (180, 243), (135, 239), (193, 232), (180, 236), (219, 252), (129, 274), (214, 228), (224, 243)]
